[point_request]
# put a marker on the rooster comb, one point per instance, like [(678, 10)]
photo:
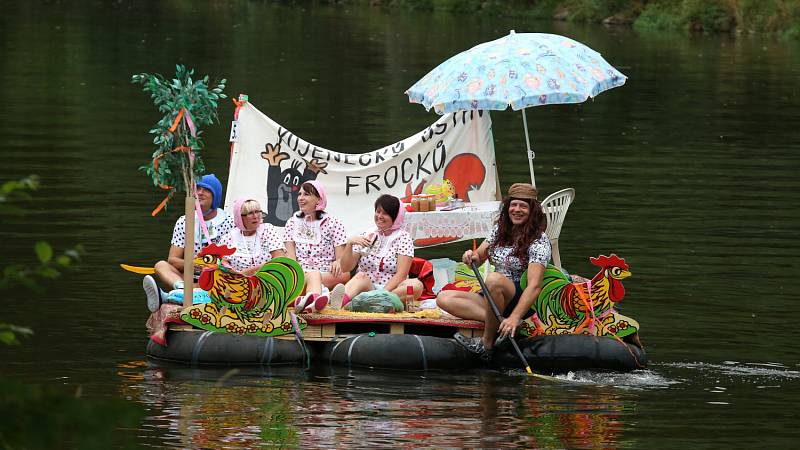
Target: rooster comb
[(608, 261), (217, 250)]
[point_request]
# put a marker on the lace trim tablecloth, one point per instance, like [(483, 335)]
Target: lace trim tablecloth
[(475, 220)]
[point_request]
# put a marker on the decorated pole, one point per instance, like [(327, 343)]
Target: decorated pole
[(176, 162)]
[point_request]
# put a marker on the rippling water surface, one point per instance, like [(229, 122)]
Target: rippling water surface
[(689, 172)]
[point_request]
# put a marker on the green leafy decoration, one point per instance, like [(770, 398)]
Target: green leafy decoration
[(200, 99), (44, 251)]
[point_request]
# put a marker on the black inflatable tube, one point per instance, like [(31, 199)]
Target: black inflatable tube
[(398, 351), (571, 352), (545, 354), (206, 347)]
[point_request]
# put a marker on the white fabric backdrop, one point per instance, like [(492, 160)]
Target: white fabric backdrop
[(269, 163)]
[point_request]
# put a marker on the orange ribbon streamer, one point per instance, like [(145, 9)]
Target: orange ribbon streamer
[(171, 189), (177, 120)]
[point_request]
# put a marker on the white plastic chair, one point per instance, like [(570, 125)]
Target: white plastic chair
[(555, 207)]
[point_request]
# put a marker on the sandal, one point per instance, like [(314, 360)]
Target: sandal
[(474, 346)]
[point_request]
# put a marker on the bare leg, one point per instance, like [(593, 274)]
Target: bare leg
[(358, 284), (168, 274), (330, 281), (466, 305), (400, 290), (313, 283), (502, 290)]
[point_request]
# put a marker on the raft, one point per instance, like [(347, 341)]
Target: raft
[(396, 351)]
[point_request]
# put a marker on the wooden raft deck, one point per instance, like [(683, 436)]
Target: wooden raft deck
[(324, 327)]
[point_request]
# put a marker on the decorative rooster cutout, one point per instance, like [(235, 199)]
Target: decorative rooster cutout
[(565, 307), (245, 304)]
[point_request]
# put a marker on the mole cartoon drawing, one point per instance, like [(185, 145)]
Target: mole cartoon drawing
[(283, 187)]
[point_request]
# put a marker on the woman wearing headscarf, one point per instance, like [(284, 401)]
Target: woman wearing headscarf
[(256, 242), (315, 240), (517, 243), (383, 254)]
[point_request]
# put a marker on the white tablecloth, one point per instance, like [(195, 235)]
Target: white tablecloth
[(473, 221)]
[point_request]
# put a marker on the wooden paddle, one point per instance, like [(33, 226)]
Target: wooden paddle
[(496, 311), (139, 270)]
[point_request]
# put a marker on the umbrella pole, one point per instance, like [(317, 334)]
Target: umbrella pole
[(531, 155)]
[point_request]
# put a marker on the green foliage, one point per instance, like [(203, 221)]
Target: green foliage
[(11, 192), (49, 266), (768, 15), (542, 9), (43, 417), (660, 16), (415, 5), (708, 15), (200, 99), (593, 10), (9, 333)]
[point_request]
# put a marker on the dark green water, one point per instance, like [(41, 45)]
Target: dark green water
[(689, 172)]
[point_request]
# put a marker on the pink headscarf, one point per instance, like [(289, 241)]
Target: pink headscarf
[(323, 197), (400, 219), (237, 212)]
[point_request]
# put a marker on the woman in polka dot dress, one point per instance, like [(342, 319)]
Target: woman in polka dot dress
[(383, 255), (315, 240), (255, 242), (517, 243)]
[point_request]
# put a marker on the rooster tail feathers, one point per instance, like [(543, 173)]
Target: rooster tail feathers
[(283, 277), (553, 283)]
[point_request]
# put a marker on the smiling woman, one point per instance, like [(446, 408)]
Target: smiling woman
[(517, 243), (255, 242)]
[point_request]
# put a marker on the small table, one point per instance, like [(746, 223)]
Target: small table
[(473, 221)]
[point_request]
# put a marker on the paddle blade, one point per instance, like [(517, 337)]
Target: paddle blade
[(139, 270)]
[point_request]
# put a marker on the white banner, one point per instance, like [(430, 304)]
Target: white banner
[(269, 164)]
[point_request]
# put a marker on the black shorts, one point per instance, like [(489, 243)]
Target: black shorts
[(513, 303)]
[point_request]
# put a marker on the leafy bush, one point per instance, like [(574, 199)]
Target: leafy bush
[(660, 16), (593, 10), (708, 15)]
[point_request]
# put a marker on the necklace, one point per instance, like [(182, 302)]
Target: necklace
[(251, 243), (309, 233)]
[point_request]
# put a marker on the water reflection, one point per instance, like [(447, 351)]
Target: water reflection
[(336, 407)]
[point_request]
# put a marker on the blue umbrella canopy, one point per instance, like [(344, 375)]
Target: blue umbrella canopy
[(517, 70)]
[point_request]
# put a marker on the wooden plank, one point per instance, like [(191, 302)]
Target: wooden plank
[(312, 331), (328, 330), (470, 332)]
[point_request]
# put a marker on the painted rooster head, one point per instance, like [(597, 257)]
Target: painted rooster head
[(614, 269), (211, 256)]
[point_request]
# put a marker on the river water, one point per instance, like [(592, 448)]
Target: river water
[(689, 172)]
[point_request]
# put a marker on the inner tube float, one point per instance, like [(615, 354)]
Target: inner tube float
[(398, 351), (572, 352), (208, 347)]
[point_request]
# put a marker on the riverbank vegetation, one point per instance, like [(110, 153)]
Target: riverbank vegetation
[(780, 17)]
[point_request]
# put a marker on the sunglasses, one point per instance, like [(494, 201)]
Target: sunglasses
[(256, 212)]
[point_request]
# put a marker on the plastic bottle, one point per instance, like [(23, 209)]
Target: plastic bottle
[(410, 305)]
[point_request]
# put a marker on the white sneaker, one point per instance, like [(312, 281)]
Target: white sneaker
[(337, 295), (153, 293)]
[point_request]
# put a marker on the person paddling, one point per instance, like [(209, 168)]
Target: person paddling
[(517, 243)]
